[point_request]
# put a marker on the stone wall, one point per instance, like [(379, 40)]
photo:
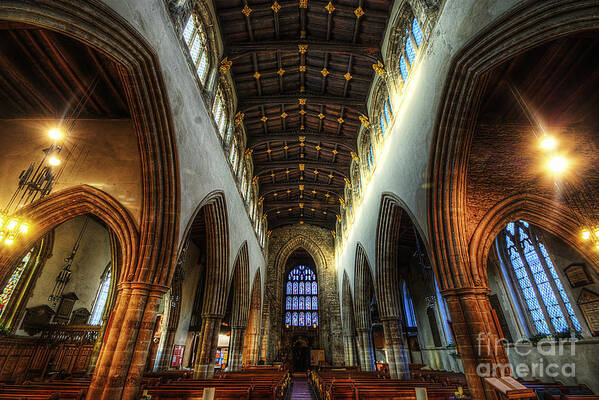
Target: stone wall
[(319, 243)]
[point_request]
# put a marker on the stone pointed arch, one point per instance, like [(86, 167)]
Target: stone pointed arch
[(560, 222), (363, 291), (252, 334), (349, 324), (240, 285), (66, 204)]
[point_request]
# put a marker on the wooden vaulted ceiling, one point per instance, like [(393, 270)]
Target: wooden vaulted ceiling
[(44, 74), (302, 71)]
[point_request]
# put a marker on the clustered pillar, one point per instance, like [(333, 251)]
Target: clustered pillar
[(122, 359), (366, 349), (397, 358), (206, 351), (235, 348), (476, 337), (349, 348)]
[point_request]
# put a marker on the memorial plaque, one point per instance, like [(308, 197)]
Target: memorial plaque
[(577, 275), (588, 302)]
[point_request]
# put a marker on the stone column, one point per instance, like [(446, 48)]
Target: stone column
[(399, 367), (476, 337), (206, 350), (349, 348), (366, 349), (127, 341), (235, 349)]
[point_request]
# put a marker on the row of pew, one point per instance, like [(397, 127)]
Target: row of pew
[(356, 385), (264, 383), (70, 389)]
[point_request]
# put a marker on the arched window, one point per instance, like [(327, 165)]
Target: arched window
[(444, 313), (386, 114), (535, 278), (197, 43), (219, 112), (101, 297), (411, 43), (13, 281), (370, 158), (408, 306), (301, 302)]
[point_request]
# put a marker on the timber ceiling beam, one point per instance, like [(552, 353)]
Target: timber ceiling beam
[(306, 206), (236, 50), (307, 166), (327, 223), (294, 136), (246, 103), (267, 188)]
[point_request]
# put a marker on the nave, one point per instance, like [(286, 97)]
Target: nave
[(344, 199)]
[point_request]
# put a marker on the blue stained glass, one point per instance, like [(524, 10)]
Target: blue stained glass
[(301, 288), (308, 319), (294, 319), (417, 32), (188, 31), (301, 303), (294, 287), (314, 288), (295, 302), (403, 68), (383, 124), (301, 319), (386, 111), (301, 281), (308, 304), (289, 288), (315, 318), (287, 318), (13, 281), (410, 51), (288, 303), (308, 287), (314, 303)]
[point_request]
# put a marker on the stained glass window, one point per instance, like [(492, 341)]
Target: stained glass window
[(408, 306), (301, 290), (403, 68), (383, 124), (417, 32), (410, 52), (537, 280), (100, 302), (13, 281)]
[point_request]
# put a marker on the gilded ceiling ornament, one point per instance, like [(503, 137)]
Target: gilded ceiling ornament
[(302, 144), (302, 138), (330, 7), (327, 195), (347, 76), (275, 194), (302, 101), (272, 174), (302, 112), (364, 120), (340, 120), (281, 71), (278, 212), (246, 10), (302, 127), (264, 217), (248, 153), (303, 3), (257, 75), (354, 156), (347, 182), (316, 172), (312, 209), (261, 200), (239, 117), (314, 192), (321, 115), (268, 233), (268, 151), (318, 147), (286, 147), (289, 209), (359, 12), (302, 89), (324, 72), (331, 176), (301, 222), (288, 191), (284, 115), (255, 181), (303, 48), (275, 7), (338, 218), (302, 68), (301, 187), (335, 152), (341, 201), (301, 205), (378, 68), (286, 171), (334, 234), (302, 34), (264, 118), (225, 65)]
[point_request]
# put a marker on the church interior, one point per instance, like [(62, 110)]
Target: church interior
[(300, 199)]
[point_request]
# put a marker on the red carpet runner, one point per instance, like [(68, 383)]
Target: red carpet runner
[(301, 388)]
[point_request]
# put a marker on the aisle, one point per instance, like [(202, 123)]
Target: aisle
[(301, 388)]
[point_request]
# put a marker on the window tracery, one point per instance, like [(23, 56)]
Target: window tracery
[(301, 301)]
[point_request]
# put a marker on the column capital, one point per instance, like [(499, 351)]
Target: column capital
[(143, 286), (468, 290)]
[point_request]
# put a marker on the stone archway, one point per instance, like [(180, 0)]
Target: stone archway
[(252, 335), (240, 285), (364, 291), (349, 324)]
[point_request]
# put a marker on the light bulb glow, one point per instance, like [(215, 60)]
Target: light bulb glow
[(9, 240), (54, 161), (548, 142), (23, 229), (597, 233), (586, 235), (55, 134), (557, 164), (12, 224)]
